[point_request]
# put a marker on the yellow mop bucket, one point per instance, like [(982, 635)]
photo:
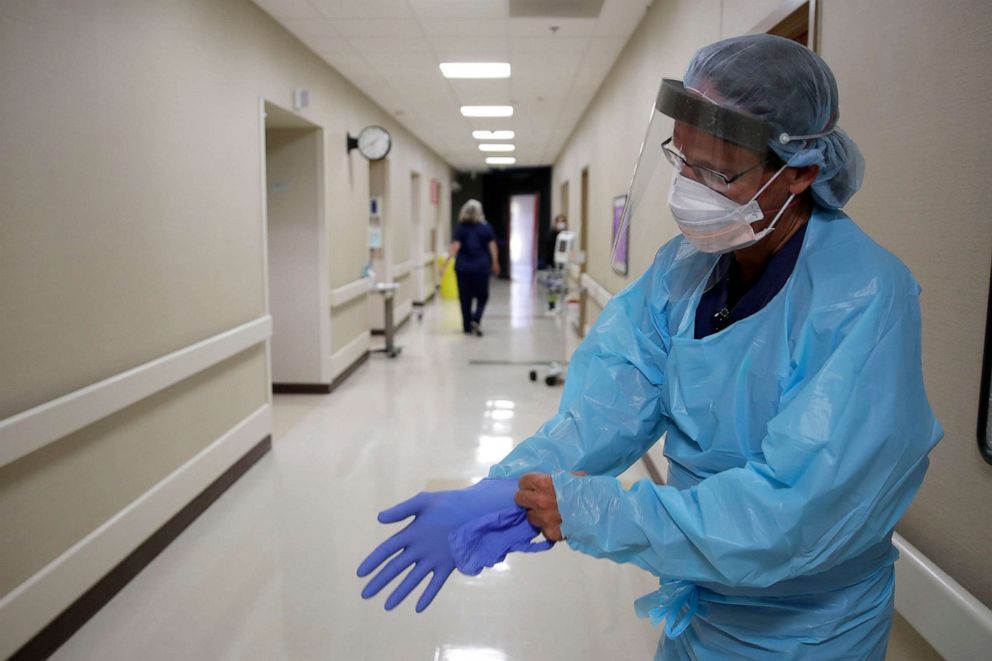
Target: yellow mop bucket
[(449, 283)]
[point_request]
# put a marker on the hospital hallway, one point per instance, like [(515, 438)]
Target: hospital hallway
[(239, 245), (268, 571)]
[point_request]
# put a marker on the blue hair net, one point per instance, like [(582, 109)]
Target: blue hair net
[(793, 89)]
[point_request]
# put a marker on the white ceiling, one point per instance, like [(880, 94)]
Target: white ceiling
[(390, 49)]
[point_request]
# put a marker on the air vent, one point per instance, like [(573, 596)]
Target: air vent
[(555, 8)]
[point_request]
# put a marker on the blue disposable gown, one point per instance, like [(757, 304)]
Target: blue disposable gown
[(796, 439)]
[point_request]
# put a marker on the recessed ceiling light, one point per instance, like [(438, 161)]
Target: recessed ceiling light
[(492, 135), (501, 160), (475, 69), (488, 147), (487, 111)]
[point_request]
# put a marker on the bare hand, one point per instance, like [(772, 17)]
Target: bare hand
[(537, 495), (496, 268)]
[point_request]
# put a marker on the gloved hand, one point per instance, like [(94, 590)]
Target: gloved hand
[(485, 541), (424, 542)]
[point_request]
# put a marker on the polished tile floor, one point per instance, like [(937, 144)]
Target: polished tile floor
[(268, 572)]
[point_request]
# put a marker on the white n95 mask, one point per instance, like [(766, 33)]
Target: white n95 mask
[(714, 223)]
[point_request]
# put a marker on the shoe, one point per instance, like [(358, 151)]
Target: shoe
[(475, 329)]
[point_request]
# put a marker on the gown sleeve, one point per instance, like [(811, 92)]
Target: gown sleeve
[(611, 408), (841, 462)]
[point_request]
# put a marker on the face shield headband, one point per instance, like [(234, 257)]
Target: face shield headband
[(675, 102)]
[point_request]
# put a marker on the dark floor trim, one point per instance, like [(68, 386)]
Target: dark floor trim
[(652, 469), (59, 630), (302, 388), (381, 331), (424, 302), (340, 378)]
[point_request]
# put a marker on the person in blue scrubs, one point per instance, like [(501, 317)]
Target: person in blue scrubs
[(776, 348), (473, 247)]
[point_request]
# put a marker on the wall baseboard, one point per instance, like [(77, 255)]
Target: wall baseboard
[(41, 600), (346, 357), (351, 369), (301, 388)]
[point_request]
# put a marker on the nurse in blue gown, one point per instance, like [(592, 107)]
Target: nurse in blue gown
[(773, 346), (776, 348)]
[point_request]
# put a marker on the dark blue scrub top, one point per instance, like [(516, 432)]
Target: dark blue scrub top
[(473, 255), (724, 303)]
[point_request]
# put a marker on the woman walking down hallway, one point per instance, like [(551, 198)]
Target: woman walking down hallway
[(473, 248)]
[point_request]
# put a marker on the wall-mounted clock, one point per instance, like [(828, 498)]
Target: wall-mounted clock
[(373, 142)]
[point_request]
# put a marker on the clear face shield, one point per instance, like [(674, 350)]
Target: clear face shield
[(721, 164)]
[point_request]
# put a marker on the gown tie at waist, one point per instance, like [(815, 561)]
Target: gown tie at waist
[(676, 602)]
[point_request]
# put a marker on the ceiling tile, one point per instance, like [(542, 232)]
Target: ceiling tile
[(461, 8), (528, 66), (463, 27), (400, 64), (542, 27), (481, 92), (548, 47), (353, 28), (365, 45), (471, 49), (362, 8)]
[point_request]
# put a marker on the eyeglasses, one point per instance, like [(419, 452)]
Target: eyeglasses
[(718, 181)]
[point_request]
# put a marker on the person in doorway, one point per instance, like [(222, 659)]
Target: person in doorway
[(777, 349), (473, 248), (559, 225)]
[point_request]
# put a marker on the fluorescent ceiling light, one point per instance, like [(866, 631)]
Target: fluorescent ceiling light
[(493, 135), (487, 111), (501, 160), (475, 69), (488, 147)]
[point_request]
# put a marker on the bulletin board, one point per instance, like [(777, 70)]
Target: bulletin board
[(621, 255)]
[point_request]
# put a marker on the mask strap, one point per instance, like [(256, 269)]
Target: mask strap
[(771, 226), (768, 183)]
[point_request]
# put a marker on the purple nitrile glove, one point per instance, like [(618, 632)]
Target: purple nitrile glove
[(424, 542), (485, 541)]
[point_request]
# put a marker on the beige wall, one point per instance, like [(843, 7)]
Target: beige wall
[(131, 180), (131, 227), (912, 76)]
